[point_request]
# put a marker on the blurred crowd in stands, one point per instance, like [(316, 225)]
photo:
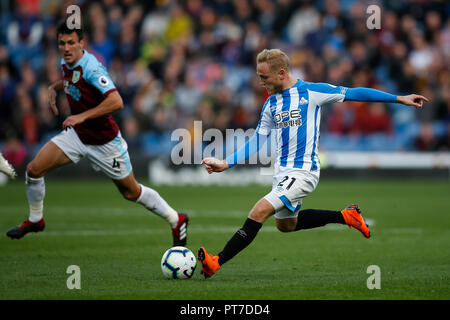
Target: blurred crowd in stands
[(175, 62)]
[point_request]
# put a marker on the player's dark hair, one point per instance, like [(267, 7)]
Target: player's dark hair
[(64, 29)]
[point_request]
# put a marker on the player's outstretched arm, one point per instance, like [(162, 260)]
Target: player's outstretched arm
[(373, 95), (244, 153), (58, 85)]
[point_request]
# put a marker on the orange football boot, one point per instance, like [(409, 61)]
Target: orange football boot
[(210, 263), (353, 218)]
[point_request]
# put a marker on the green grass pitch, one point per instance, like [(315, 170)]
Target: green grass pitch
[(118, 245)]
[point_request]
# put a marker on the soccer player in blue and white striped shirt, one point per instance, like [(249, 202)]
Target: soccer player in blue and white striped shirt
[(292, 114)]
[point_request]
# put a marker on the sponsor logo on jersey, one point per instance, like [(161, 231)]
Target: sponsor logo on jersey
[(291, 118), (303, 101), (72, 90)]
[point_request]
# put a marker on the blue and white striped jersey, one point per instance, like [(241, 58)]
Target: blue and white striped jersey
[(293, 115)]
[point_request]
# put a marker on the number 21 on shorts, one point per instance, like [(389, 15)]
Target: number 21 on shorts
[(286, 179)]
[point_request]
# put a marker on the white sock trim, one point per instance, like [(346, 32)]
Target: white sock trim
[(36, 211)]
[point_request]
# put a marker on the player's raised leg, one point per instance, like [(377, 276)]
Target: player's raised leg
[(149, 198), (48, 158), (239, 241), (314, 218), (307, 219)]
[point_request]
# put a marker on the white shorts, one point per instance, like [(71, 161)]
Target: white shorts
[(111, 158), (289, 187)]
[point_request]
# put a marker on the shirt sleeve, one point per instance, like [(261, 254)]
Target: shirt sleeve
[(248, 150), (327, 93), (99, 78), (369, 95), (266, 122)]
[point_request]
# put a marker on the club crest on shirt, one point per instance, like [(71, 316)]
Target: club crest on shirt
[(75, 76)]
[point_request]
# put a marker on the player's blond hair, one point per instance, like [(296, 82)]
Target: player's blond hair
[(275, 58)]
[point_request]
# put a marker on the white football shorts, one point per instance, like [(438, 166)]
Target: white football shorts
[(111, 158), (289, 187)]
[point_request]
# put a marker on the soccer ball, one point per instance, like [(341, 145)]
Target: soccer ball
[(178, 263)]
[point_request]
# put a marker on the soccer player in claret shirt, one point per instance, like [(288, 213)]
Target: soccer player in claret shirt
[(292, 114), (90, 132)]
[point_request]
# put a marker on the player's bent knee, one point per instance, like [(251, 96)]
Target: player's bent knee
[(283, 228), (258, 215), (33, 171), (285, 225), (261, 211), (130, 195)]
